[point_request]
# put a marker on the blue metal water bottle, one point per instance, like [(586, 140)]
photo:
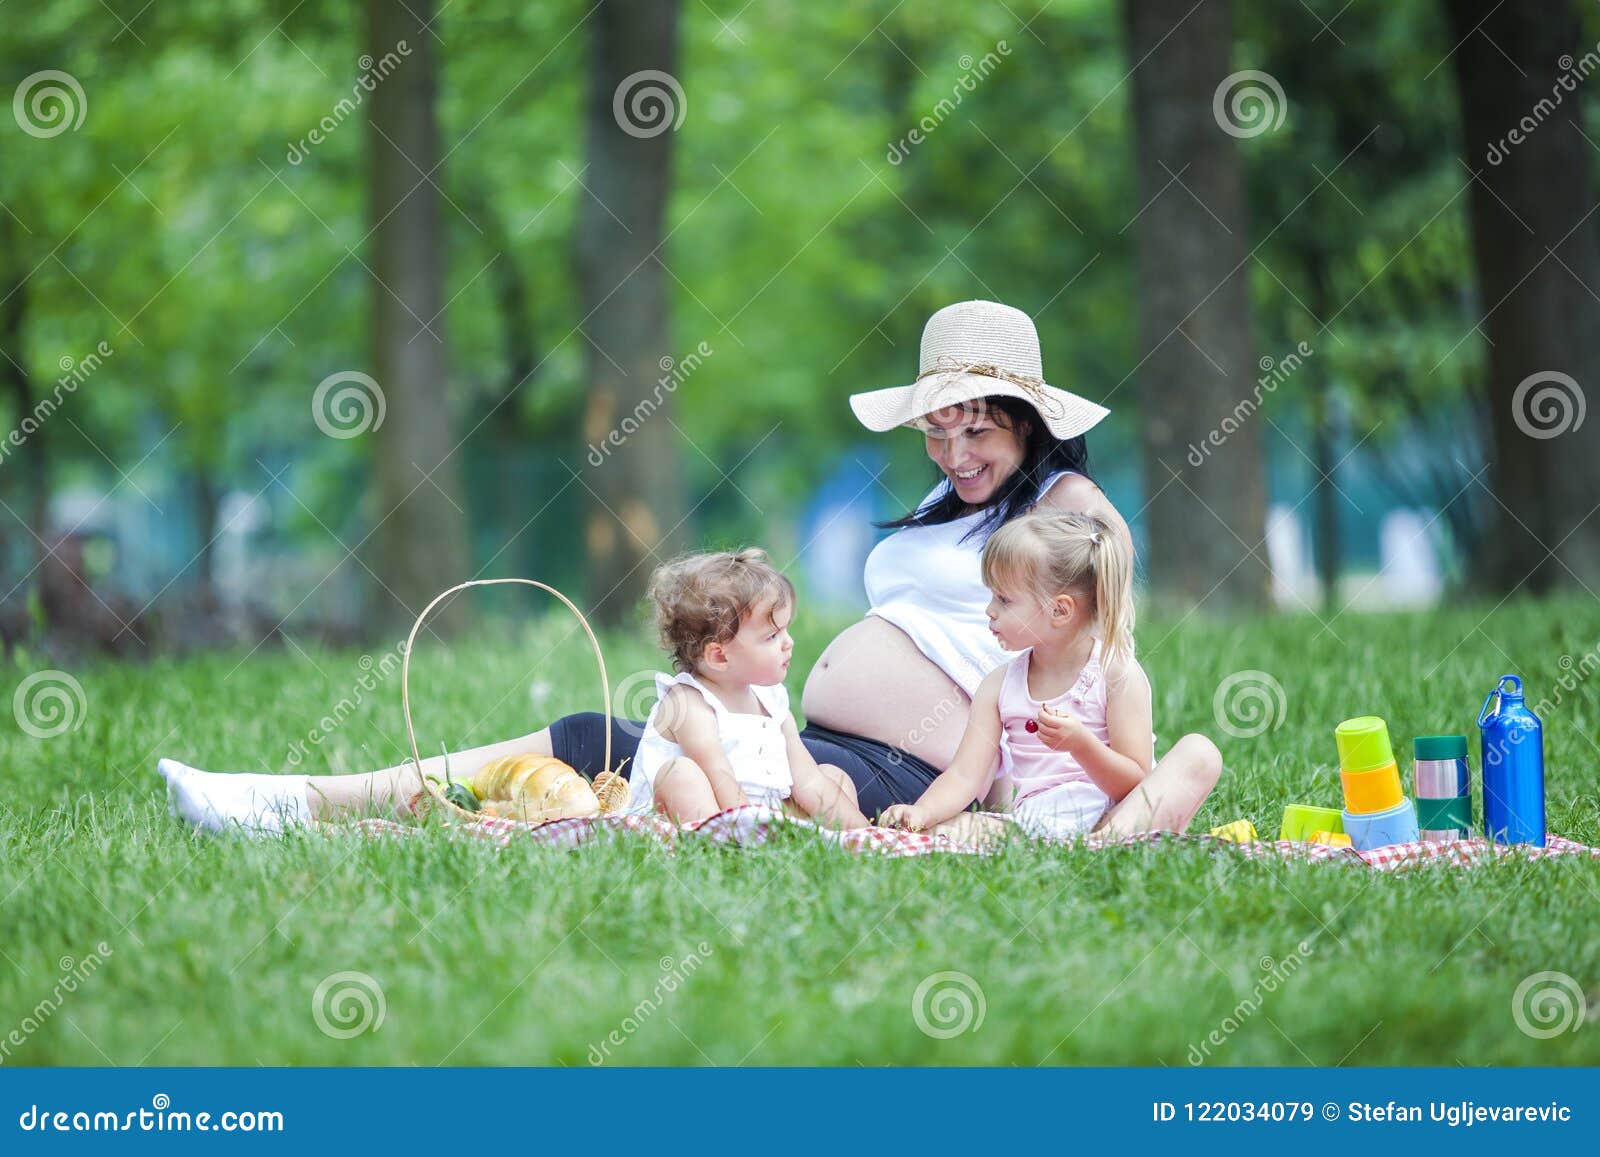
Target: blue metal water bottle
[(1513, 767)]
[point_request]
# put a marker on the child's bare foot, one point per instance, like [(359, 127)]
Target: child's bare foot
[(975, 829)]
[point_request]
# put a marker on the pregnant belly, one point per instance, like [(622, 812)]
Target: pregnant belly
[(872, 681)]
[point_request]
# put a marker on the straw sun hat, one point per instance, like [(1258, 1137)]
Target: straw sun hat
[(972, 350)]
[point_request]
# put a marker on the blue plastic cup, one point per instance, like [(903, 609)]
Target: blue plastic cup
[(1397, 825)]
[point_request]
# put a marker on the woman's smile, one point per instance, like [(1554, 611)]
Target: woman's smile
[(971, 480)]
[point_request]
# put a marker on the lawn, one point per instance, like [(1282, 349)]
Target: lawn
[(188, 950)]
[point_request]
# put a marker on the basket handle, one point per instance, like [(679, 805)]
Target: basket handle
[(405, 663)]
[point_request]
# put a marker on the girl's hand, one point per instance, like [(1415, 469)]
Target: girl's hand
[(1060, 731), (906, 816)]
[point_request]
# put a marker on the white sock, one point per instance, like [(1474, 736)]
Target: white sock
[(220, 801)]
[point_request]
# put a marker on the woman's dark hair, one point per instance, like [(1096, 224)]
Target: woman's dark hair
[(1043, 454)]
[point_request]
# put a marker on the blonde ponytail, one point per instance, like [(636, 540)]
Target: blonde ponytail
[(1113, 593)]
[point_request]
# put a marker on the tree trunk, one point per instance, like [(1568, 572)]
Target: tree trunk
[(1536, 257), (207, 502), (420, 540), (31, 460), (1324, 444), (1195, 345), (631, 467)]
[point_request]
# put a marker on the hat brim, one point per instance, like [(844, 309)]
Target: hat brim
[(1064, 414)]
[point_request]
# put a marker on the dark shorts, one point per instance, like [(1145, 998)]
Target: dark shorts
[(883, 775)]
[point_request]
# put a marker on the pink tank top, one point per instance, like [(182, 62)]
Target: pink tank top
[(1025, 761)]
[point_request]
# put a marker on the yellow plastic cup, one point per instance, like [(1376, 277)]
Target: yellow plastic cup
[(1302, 821), (1369, 792), (1239, 832)]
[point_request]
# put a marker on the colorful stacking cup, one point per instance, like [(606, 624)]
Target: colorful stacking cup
[(1367, 831), (1301, 821), (1367, 768), (1363, 744), (1370, 792), (1238, 832), (1444, 787)]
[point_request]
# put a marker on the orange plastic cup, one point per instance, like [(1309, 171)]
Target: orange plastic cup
[(1367, 792)]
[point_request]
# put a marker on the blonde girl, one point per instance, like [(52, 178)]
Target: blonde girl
[(1063, 731), (721, 734)]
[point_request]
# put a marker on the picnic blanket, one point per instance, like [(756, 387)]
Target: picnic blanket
[(753, 825)]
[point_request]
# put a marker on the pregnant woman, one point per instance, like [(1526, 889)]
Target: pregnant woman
[(889, 698)]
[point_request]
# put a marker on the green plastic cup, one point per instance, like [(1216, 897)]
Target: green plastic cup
[(1302, 821), (1363, 743)]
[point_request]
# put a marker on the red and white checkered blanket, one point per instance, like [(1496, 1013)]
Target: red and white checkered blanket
[(753, 825)]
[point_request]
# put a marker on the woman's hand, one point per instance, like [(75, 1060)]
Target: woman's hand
[(1060, 731), (906, 816)]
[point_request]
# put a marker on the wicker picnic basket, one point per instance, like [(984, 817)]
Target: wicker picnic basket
[(527, 787)]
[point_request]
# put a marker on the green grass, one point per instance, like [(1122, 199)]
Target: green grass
[(530, 956)]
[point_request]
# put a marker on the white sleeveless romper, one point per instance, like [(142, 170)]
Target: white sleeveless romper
[(755, 746)]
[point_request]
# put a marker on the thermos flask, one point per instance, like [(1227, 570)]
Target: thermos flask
[(1513, 767)]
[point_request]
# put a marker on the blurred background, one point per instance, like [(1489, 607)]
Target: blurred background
[(309, 309)]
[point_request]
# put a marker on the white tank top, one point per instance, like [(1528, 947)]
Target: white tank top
[(755, 745), (928, 582)]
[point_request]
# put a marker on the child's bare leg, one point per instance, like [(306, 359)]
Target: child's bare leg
[(830, 799), (397, 788), (1171, 793), (684, 793)]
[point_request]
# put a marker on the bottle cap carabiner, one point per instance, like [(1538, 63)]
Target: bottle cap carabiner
[(1485, 715)]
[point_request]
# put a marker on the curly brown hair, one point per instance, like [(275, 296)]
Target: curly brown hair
[(701, 599)]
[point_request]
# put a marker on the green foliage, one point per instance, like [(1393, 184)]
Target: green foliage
[(808, 239)]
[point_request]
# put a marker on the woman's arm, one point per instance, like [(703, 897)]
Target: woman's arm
[(971, 771), (1079, 495), (692, 725), (814, 793), (1120, 766)]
